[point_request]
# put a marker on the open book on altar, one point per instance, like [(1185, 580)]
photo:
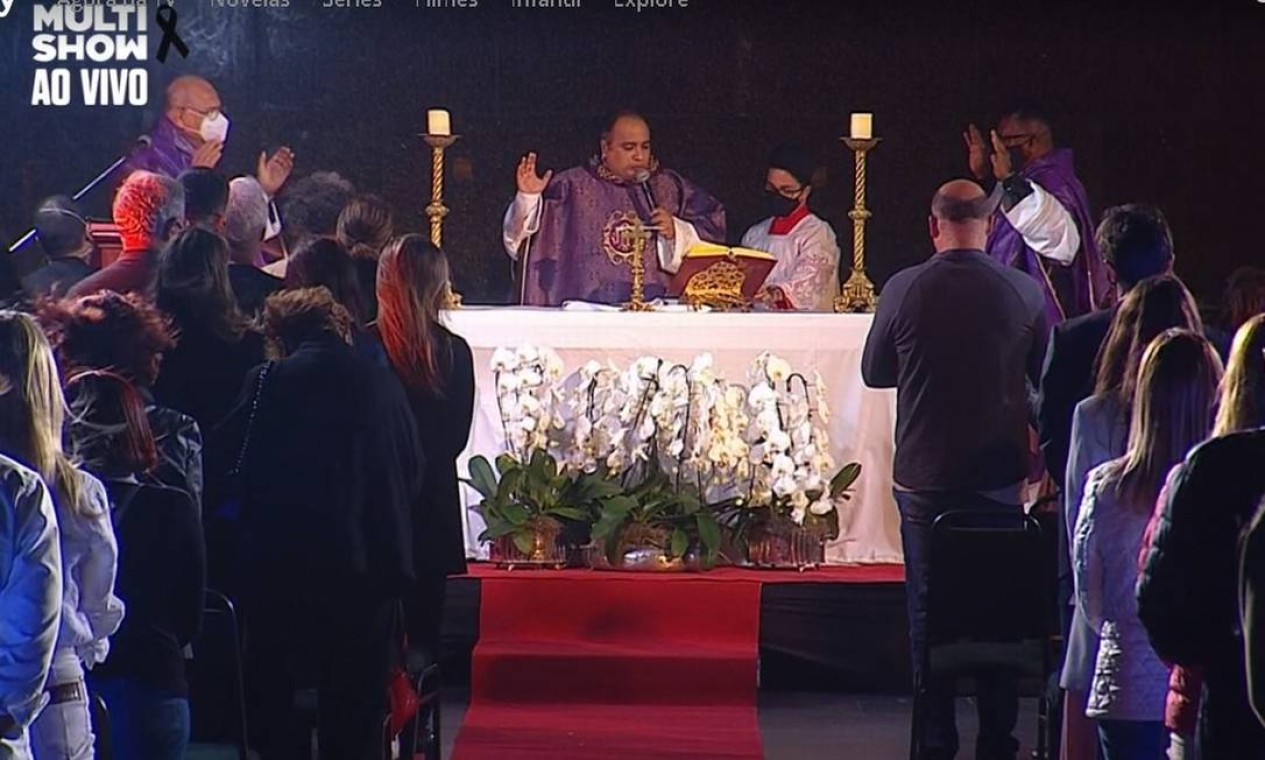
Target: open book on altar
[(721, 276)]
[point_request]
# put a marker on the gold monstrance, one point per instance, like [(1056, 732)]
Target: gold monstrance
[(439, 137), (858, 292)]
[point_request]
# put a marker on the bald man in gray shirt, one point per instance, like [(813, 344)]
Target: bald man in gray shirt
[(957, 336)]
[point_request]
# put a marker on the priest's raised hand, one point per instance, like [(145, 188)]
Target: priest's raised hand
[(526, 178)]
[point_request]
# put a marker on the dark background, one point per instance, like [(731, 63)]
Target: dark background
[(1161, 103)]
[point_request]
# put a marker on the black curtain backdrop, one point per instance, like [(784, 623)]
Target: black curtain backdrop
[(1162, 103)]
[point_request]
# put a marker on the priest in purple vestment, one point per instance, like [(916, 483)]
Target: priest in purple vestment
[(192, 132), (1043, 225), (570, 232)]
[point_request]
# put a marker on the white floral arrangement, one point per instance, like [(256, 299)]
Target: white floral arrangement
[(527, 397), (749, 455), (790, 454)]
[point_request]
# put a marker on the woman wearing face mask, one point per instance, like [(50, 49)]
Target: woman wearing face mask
[(806, 276)]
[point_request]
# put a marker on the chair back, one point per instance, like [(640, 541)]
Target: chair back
[(989, 579), (217, 692)]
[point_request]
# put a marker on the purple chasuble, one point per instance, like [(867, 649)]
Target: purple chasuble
[(574, 254), (1073, 290), (169, 153)]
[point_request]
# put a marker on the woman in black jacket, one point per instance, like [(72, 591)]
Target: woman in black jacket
[(1188, 591), (161, 571), (437, 370), (329, 468)]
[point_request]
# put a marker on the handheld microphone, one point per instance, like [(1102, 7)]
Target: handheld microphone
[(643, 179)]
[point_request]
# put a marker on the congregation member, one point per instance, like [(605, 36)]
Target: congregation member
[(311, 207), (127, 336), (149, 211), (365, 227), (1043, 225), (162, 570), (215, 345), (436, 368), (205, 198), (245, 223), (323, 262), (329, 470), (63, 234), (806, 275), (1136, 243), (937, 325), (30, 598), (1188, 590), (1241, 407), (1173, 411), (1252, 609), (1244, 299), (32, 414), (1100, 433), (569, 232)]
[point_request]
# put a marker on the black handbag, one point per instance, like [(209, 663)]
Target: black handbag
[(230, 505)]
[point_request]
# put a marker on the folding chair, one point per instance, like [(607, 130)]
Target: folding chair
[(423, 733), (217, 690), (988, 607)]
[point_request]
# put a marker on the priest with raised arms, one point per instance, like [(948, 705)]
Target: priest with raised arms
[(572, 233)]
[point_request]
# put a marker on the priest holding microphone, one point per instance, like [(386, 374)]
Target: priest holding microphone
[(572, 233)]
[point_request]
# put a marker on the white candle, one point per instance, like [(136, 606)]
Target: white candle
[(438, 122), (862, 126)]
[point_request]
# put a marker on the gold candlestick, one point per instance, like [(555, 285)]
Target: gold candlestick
[(858, 292), (436, 210)]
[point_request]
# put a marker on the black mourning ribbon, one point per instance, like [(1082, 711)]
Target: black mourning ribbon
[(167, 22)]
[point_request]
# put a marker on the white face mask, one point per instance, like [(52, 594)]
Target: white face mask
[(214, 129)]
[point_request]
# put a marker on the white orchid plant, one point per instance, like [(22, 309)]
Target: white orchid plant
[(658, 452), (792, 473)]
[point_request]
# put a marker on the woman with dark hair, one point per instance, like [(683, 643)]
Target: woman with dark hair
[(215, 346), (32, 414), (324, 262), (162, 571), (1173, 412), (126, 335), (436, 368), (329, 468), (365, 227), (1100, 432)]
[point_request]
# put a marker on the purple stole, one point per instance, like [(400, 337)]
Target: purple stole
[(576, 253), (1072, 290), (169, 153)]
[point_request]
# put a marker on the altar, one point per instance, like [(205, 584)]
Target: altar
[(861, 424)]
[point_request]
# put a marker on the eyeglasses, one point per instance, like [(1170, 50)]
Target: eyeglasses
[(1014, 141), (211, 114)]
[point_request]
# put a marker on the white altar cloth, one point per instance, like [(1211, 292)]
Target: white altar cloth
[(861, 423)]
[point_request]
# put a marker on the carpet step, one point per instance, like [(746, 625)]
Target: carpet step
[(609, 732), (614, 673)]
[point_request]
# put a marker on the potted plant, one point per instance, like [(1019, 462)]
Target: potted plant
[(790, 507)]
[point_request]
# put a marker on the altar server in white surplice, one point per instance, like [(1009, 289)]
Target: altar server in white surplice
[(806, 276)]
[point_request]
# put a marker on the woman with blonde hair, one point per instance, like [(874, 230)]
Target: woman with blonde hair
[(436, 368), (32, 413), (1241, 408), (1100, 433), (1172, 413)]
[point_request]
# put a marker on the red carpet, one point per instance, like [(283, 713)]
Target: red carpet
[(581, 665)]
